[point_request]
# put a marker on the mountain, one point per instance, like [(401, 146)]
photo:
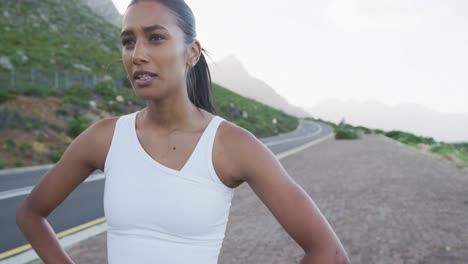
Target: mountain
[(230, 73), (417, 119), (106, 9)]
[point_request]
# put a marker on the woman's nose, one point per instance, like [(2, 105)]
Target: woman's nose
[(140, 54)]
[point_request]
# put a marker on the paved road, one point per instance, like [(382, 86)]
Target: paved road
[(387, 202), (81, 205)]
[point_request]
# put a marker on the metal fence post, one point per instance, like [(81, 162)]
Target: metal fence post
[(12, 78)]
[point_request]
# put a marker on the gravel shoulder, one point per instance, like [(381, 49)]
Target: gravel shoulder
[(387, 202)]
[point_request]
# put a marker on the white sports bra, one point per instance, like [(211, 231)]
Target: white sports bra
[(156, 214)]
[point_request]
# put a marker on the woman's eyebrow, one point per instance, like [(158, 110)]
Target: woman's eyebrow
[(147, 29)]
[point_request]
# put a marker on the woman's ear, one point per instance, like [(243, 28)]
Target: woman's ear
[(194, 53)]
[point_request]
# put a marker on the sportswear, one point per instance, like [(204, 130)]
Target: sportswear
[(156, 214)]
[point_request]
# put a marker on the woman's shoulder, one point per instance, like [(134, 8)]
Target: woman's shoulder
[(235, 143), (230, 132), (106, 126)]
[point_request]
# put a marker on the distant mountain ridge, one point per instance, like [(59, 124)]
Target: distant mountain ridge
[(230, 73), (417, 119)]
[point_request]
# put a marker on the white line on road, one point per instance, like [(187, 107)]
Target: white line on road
[(25, 190)]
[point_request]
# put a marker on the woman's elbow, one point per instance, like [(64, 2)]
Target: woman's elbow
[(23, 215)]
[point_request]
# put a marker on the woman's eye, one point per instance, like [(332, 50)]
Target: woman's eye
[(127, 42), (156, 37)]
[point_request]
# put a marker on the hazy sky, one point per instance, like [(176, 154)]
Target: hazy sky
[(392, 51)]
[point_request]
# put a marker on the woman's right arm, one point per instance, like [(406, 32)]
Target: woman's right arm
[(86, 153)]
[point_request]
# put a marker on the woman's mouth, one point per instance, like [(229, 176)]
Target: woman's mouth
[(144, 79)]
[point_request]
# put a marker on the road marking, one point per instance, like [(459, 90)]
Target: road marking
[(62, 234), (26, 190), (27, 169), (300, 148)]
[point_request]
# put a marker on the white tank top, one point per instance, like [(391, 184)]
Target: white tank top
[(156, 214)]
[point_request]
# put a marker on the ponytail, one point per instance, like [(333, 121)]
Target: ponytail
[(199, 86)]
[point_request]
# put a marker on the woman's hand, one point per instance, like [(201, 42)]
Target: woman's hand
[(291, 206), (85, 154)]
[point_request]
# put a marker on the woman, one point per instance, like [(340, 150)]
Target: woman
[(171, 168)]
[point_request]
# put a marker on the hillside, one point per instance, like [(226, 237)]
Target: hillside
[(36, 130), (53, 35)]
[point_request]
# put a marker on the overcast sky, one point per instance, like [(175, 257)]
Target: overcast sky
[(392, 51)]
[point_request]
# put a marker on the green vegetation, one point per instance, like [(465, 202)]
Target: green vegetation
[(252, 115), (450, 151), (409, 138), (55, 156), (77, 94), (37, 35), (106, 90), (6, 95), (76, 125), (345, 133), (11, 119)]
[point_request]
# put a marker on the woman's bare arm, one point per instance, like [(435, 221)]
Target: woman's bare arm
[(86, 153), (288, 202)]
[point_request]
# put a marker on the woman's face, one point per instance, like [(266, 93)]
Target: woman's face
[(154, 52)]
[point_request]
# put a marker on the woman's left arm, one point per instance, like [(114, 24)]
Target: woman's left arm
[(288, 202)]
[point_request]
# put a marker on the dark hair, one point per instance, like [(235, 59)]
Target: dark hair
[(198, 78)]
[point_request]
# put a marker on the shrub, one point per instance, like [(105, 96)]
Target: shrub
[(19, 163), (77, 94), (78, 90), (106, 89), (77, 125), (2, 164), (10, 144), (25, 146), (345, 133), (55, 156), (409, 138), (115, 107), (6, 95)]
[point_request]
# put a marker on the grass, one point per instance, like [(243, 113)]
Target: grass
[(47, 25), (450, 151), (409, 139), (232, 106)]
